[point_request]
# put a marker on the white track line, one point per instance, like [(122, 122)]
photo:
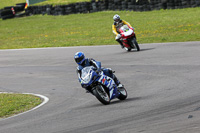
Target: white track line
[(45, 100)]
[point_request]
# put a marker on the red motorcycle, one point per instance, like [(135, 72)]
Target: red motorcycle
[(128, 38)]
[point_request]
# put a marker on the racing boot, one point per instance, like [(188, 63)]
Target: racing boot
[(120, 42), (117, 82), (112, 75)]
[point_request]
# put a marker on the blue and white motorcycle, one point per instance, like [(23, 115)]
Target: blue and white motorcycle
[(101, 86)]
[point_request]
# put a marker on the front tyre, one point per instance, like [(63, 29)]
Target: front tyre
[(127, 49), (101, 95), (123, 93)]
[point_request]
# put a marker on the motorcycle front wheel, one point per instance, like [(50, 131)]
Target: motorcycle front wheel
[(127, 49), (101, 95)]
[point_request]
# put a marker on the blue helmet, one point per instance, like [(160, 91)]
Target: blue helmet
[(79, 57)]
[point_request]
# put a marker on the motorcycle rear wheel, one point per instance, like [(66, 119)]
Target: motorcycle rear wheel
[(101, 95), (135, 43), (123, 93)]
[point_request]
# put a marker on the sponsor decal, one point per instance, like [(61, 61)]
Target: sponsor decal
[(103, 80)]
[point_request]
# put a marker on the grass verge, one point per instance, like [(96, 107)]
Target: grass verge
[(11, 104), (177, 25), (5, 3)]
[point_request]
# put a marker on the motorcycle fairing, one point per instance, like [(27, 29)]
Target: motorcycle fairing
[(89, 76), (109, 83)]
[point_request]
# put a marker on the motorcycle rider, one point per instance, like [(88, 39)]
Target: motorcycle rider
[(118, 23), (82, 62)]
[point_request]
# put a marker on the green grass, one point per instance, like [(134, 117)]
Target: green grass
[(5, 3), (11, 104), (95, 28)]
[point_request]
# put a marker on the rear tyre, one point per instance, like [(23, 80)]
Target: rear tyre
[(136, 44), (101, 95), (123, 93)]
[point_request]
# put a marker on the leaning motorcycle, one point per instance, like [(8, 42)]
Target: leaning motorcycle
[(128, 38), (101, 86)]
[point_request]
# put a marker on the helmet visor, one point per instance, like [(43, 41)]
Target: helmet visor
[(78, 60), (116, 20)]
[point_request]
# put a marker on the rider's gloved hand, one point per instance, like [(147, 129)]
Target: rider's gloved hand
[(97, 71), (118, 36)]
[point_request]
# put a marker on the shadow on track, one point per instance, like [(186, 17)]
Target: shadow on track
[(127, 100), (147, 49), (112, 102), (133, 51)]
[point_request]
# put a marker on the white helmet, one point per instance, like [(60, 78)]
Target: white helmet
[(116, 17)]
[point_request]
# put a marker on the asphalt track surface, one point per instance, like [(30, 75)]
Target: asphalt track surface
[(162, 80)]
